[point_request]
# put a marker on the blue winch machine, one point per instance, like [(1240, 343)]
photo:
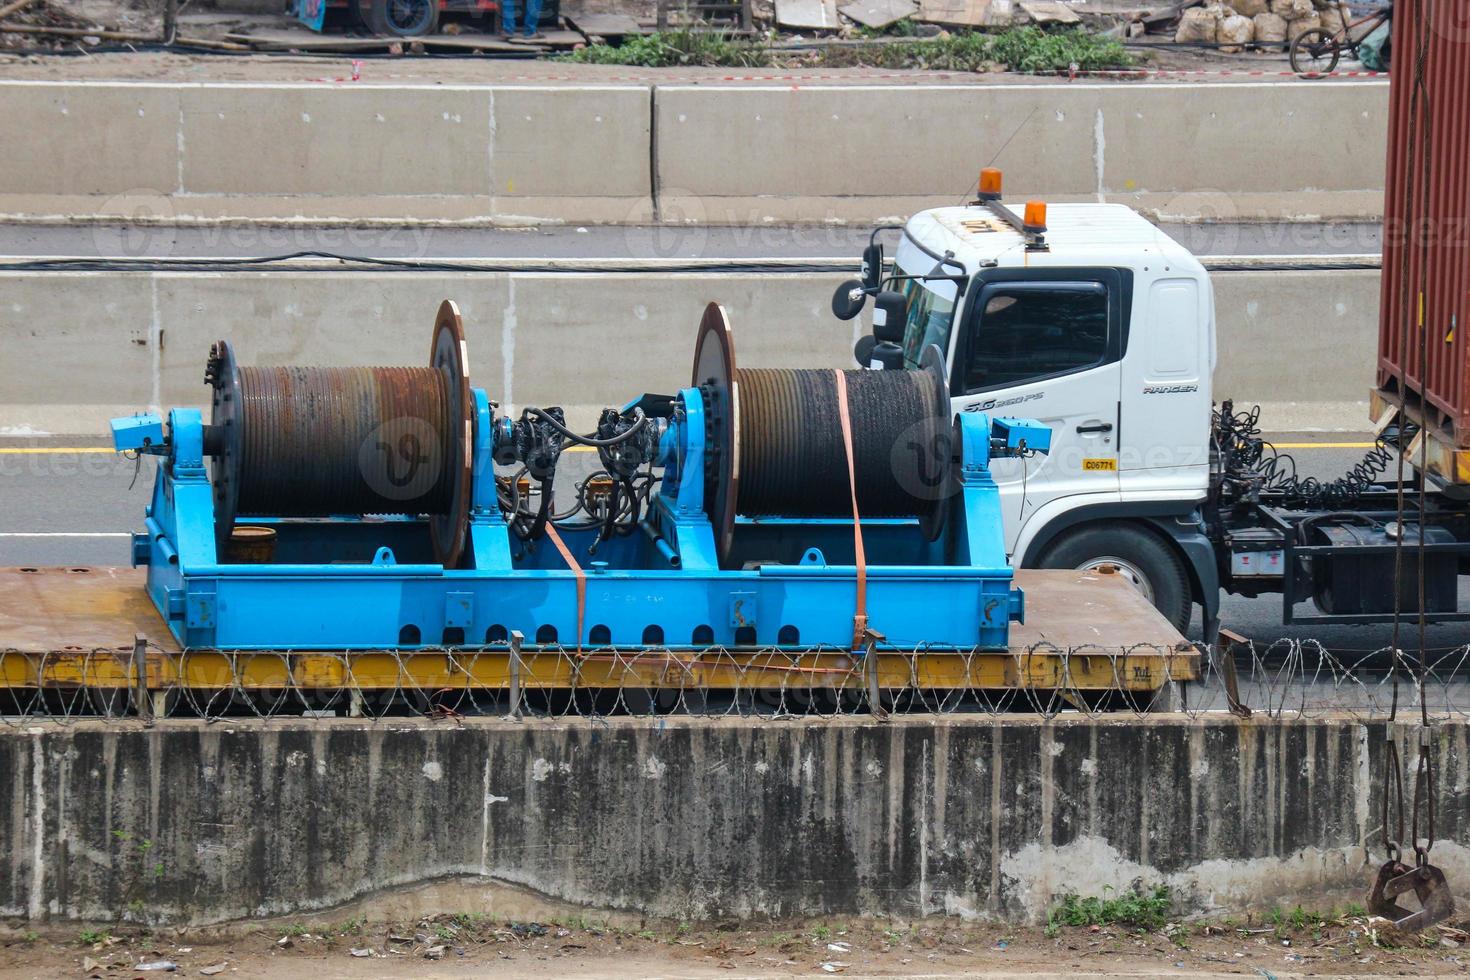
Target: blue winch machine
[(360, 508)]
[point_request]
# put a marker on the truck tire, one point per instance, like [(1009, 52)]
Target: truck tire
[(404, 18), (1146, 560)]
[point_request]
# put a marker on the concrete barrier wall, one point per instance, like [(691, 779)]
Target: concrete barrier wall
[(444, 152), (1303, 345), (1225, 151), (727, 154), (82, 347), (697, 818)]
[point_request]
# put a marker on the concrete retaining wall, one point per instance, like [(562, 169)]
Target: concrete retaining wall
[(180, 151), (694, 818), (82, 347), (1224, 151), (726, 154)]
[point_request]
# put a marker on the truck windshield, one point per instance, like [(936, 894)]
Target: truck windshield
[(928, 316)]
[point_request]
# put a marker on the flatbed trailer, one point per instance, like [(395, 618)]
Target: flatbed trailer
[(67, 629)]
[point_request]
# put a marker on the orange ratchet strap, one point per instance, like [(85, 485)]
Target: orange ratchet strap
[(860, 615), (576, 570)]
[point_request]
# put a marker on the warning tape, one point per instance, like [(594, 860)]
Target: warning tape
[(1120, 74)]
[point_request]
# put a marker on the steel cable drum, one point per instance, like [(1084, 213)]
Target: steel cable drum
[(793, 461), (775, 439), (320, 441)]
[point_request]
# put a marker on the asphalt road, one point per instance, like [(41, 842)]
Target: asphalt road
[(70, 502), (596, 241)]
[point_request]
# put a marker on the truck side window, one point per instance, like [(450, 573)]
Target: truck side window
[(928, 318), (1030, 331)]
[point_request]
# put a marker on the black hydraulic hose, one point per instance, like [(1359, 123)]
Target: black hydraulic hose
[(624, 436), (364, 263), (1246, 454)]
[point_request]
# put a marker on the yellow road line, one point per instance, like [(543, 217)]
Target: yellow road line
[(1323, 445)]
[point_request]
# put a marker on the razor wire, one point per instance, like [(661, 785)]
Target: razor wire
[(1287, 679)]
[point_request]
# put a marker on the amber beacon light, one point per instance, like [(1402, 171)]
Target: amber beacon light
[(990, 181), (1034, 221)]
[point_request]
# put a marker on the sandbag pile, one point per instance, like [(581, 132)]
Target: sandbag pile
[(1270, 28), (1199, 25), (1235, 32), (1333, 18), (1237, 23)]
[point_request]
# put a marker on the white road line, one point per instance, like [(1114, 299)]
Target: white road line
[(66, 534)]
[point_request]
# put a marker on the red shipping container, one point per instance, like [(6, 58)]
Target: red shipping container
[(1423, 334)]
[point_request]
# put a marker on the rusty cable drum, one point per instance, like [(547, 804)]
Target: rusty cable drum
[(319, 441), (776, 447)]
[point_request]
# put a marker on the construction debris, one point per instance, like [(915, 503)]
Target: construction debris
[(965, 13), (1050, 12), (15, 7), (879, 13), (301, 39), (39, 18), (606, 25), (1228, 25), (808, 14), (1234, 25)]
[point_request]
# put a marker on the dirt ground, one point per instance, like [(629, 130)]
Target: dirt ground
[(125, 65), (463, 945), (49, 57)]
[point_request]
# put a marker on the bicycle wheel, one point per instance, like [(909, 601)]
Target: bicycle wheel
[(1314, 51)]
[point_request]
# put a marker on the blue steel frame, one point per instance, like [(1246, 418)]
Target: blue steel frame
[(661, 588)]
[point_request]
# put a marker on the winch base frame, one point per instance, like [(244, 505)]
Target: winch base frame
[(662, 589)]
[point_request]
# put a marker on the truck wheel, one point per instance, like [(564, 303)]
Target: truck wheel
[(1149, 563), (405, 18)]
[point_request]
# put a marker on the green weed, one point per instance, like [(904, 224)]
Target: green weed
[(1023, 49), (351, 926), (467, 920), (1139, 910)]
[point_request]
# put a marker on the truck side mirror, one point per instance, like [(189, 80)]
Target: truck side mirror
[(862, 351), (873, 266), (887, 356), (849, 299), (890, 310)]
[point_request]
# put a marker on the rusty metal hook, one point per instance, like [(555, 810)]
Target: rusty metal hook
[(1380, 903), (1427, 882)]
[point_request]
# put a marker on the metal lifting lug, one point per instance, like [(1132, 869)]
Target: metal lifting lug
[(1427, 882), (1379, 903)]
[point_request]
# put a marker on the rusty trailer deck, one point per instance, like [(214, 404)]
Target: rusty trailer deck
[(64, 628)]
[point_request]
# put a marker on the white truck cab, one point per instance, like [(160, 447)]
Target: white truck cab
[(1090, 319)]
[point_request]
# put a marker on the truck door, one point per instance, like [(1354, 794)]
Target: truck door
[(1047, 344), (1164, 445)]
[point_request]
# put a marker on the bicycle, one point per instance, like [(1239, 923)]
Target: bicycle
[(1316, 51)]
